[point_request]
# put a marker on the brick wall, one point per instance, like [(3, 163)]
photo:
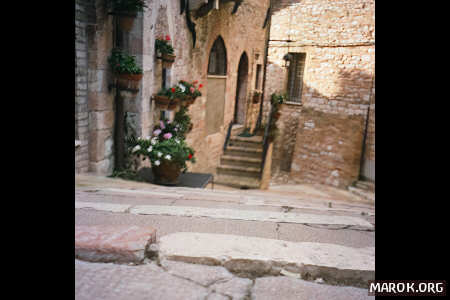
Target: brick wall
[(338, 39)]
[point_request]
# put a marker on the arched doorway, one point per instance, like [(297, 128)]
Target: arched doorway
[(217, 76), (241, 90)]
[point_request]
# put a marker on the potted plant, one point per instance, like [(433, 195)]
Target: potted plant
[(164, 51), (167, 152), (257, 96), (169, 98), (191, 90), (276, 100), (126, 11), (124, 66)]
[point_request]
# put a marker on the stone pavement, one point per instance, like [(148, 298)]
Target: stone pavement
[(177, 280), (299, 214)]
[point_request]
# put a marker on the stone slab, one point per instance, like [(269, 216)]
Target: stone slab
[(250, 215), (285, 288), (113, 243), (113, 207), (254, 257), (106, 281)]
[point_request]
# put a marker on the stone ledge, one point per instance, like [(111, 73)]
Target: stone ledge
[(255, 257), (113, 243)]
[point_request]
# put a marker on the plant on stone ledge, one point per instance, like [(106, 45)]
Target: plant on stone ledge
[(162, 46), (123, 63)]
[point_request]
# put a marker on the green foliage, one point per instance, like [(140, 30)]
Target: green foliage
[(277, 99), (183, 120), (129, 6), (182, 90), (163, 46), (169, 149), (122, 63)]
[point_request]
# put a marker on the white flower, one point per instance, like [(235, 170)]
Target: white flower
[(159, 154), (168, 157), (136, 148), (177, 140), (157, 163), (147, 138), (182, 87), (153, 141), (149, 149)]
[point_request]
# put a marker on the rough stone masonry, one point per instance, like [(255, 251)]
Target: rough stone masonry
[(338, 84)]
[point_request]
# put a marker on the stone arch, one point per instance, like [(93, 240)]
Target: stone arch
[(241, 89), (217, 63)]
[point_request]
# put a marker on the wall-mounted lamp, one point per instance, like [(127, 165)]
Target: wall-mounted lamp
[(287, 60)]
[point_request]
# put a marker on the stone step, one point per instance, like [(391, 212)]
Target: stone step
[(243, 151), (233, 160), (239, 171), (249, 142), (113, 243), (237, 129), (258, 257), (364, 194), (238, 181), (365, 185)]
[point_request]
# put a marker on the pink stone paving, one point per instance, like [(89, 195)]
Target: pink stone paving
[(113, 243)]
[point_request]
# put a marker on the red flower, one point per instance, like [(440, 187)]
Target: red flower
[(167, 37), (190, 156), (173, 90), (200, 86)]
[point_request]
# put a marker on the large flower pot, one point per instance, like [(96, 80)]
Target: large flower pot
[(167, 173), (187, 101), (174, 104), (162, 102), (129, 81)]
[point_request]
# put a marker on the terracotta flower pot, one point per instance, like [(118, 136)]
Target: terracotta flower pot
[(161, 102), (187, 101), (129, 81), (166, 173), (167, 60), (256, 98)]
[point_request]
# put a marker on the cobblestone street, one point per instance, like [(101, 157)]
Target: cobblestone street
[(309, 218)]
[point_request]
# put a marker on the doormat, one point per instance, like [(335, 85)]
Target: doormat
[(188, 179)]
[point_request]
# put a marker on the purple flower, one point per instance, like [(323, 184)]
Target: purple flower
[(167, 135), (157, 132), (161, 124)]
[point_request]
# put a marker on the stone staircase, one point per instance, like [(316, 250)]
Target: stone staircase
[(364, 189), (240, 164)]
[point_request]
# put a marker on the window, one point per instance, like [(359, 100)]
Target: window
[(295, 77), (218, 58)]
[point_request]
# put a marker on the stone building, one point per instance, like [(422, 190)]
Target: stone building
[(330, 78), (330, 81)]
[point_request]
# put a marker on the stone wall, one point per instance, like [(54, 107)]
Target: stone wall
[(191, 64), (84, 14), (338, 39)]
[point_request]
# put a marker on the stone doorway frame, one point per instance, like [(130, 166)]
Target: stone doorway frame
[(242, 81)]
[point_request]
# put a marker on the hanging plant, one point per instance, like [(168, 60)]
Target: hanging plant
[(165, 51), (183, 93), (124, 66)]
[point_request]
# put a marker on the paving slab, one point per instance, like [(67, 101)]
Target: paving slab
[(113, 243), (113, 207), (285, 288), (250, 215), (107, 281), (254, 257)]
